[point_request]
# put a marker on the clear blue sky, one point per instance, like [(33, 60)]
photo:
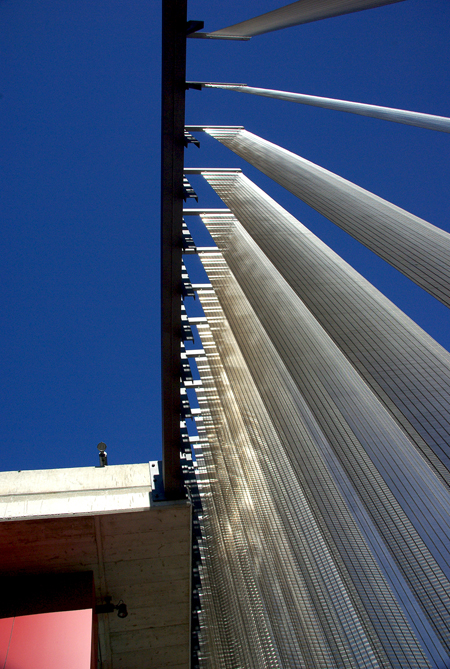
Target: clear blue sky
[(79, 206)]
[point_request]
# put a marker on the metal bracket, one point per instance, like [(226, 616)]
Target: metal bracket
[(188, 191), (157, 482), (237, 38), (199, 85), (189, 139), (193, 26)]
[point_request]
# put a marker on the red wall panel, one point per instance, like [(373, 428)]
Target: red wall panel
[(47, 640)]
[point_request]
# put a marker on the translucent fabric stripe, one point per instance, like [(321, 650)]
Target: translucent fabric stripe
[(416, 248), (418, 119), (303, 11)]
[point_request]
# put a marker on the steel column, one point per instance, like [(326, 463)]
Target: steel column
[(174, 21)]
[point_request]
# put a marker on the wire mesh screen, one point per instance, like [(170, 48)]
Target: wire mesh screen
[(325, 526)]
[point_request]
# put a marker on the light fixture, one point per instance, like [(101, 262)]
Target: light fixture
[(122, 610), (102, 454), (109, 607)]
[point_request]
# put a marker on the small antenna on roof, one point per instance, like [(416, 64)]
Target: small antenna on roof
[(103, 454)]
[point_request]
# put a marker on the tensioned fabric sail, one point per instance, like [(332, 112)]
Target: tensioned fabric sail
[(343, 528), (407, 369), (415, 247), (418, 119), (296, 13)]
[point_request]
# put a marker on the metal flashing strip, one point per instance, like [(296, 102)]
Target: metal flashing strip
[(212, 36), (195, 352), (200, 170), (200, 84), (200, 250), (200, 128), (198, 211)]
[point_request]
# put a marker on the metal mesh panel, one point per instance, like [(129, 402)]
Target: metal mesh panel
[(297, 437), (420, 120), (296, 13), (413, 246), (248, 484), (405, 367)]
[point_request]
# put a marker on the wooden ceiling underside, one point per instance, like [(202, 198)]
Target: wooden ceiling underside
[(142, 558)]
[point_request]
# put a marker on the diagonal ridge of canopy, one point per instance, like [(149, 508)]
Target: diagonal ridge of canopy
[(429, 121), (296, 13), (415, 247)]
